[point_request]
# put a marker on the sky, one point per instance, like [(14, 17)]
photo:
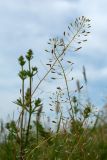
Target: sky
[(26, 24)]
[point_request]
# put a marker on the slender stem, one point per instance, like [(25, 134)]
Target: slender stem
[(30, 106), (66, 82), (63, 51), (37, 134), (58, 126), (21, 127)]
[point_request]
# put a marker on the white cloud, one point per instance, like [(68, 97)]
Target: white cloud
[(96, 75)]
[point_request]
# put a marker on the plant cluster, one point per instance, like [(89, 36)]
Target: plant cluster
[(70, 136)]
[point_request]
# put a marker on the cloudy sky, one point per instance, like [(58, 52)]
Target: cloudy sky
[(28, 24)]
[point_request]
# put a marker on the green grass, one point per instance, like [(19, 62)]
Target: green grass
[(86, 145)]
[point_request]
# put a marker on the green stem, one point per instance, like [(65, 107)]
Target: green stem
[(21, 127), (30, 106), (37, 134)]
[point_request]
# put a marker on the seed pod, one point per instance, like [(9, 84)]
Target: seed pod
[(84, 75)]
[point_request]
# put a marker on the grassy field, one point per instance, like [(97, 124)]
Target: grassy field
[(77, 143)]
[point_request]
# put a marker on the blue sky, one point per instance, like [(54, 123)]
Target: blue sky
[(28, 24)]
